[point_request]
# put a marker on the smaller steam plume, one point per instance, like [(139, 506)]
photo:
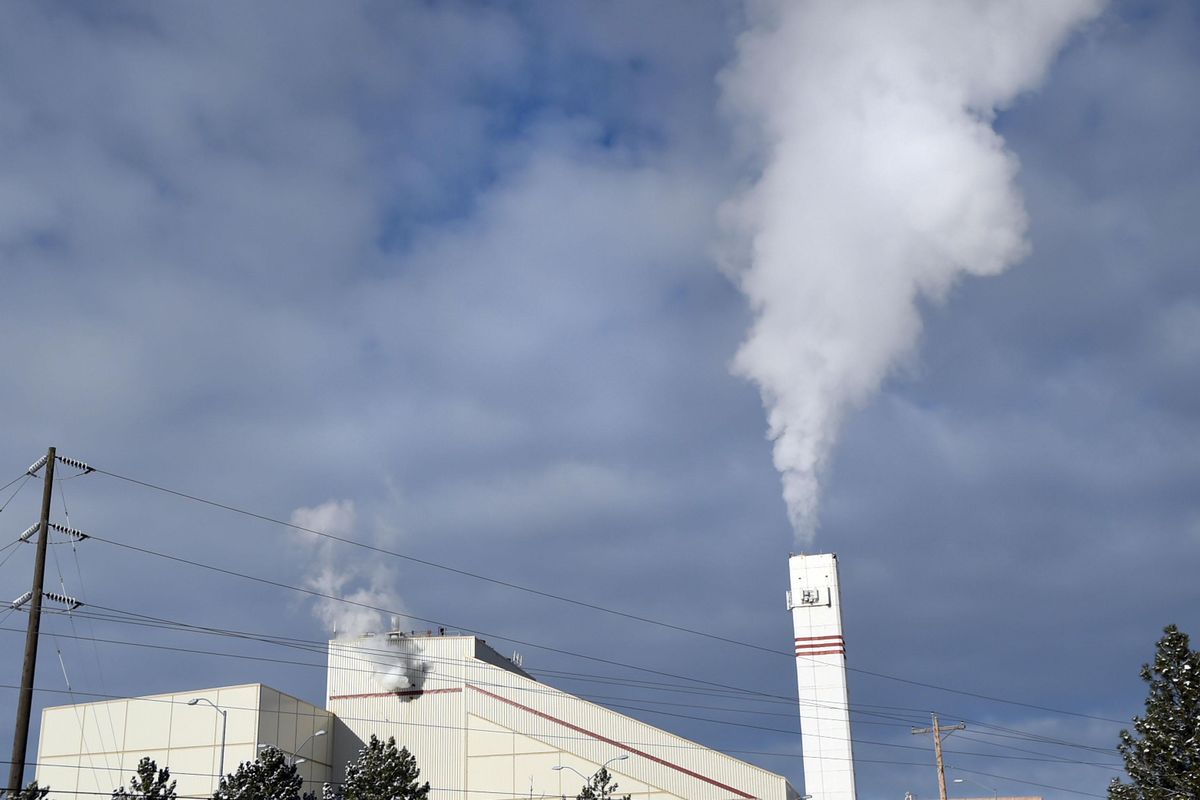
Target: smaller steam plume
[(882, 182), (348, 576), (406, 673)]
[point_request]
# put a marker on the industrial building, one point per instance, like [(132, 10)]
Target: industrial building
[(87, 750), (478, 725)]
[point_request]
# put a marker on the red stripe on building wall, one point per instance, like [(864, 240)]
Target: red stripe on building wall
[(838, 652), (817, 638), (409, 693), (614, 743)]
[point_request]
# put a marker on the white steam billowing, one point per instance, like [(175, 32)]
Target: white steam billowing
[(400, 668), (356, 587), (882, 181), (348, 575)]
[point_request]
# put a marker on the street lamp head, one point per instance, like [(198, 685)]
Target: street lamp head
[(193, 701), (621, 757), (319, 733)]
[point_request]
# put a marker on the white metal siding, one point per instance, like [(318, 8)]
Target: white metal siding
[(478, 728), (93, 748)]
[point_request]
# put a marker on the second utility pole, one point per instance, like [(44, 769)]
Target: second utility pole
[(937, 732), (16, 775)]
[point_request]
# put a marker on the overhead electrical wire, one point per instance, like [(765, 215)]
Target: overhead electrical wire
[(573, 601), (115, 615), (320, 648), (684, 745), (758, 696), (1027, 783), (1015, 733), (525, 793), (14, 480), (380, 609), (241, 656), (434, 622), (958, 753), (16, 491), (965, 736), (729, 723), (739, 690), (565, 737)]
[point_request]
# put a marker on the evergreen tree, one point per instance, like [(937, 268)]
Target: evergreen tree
[(150, 783), (32, 792), (381, 772), (600, 787), (270, 776), (1162, 757)]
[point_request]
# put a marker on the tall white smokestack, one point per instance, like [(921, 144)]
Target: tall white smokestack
[(816, 608)]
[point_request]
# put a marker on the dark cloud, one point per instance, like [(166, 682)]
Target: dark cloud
[(455, 264)]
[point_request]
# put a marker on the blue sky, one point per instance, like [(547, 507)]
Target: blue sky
[(458, 269)]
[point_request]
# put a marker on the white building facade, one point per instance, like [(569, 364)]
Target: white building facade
[(87, 750), (479, 726)]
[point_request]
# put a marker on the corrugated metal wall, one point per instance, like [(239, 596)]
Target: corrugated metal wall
[(87, 750), (483, 730), (428, 723)]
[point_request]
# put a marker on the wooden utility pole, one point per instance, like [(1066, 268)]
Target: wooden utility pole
[(937, 730), (16, 775)]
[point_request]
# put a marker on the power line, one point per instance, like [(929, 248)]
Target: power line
[(24, 479), (765, 697), (14, 480), (436, 623), (728, 723), (428, 621), (550, 595), (525, 794), (1027, 783), (561, 737), (320, 648), (389, 656)]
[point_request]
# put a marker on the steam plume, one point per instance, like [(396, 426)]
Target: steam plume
[(353, 577), (881, 182), (402, 669)]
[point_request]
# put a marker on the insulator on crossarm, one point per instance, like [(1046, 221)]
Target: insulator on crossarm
[(65, 599), (35, 466), (30, 531), (76, 463), (77, 535), (20, 601)]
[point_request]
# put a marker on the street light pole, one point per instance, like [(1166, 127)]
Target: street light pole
[(603, 768), (224, 721), (312, 736)]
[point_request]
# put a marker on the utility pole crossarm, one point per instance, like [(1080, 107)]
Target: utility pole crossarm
[(946, 729)]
